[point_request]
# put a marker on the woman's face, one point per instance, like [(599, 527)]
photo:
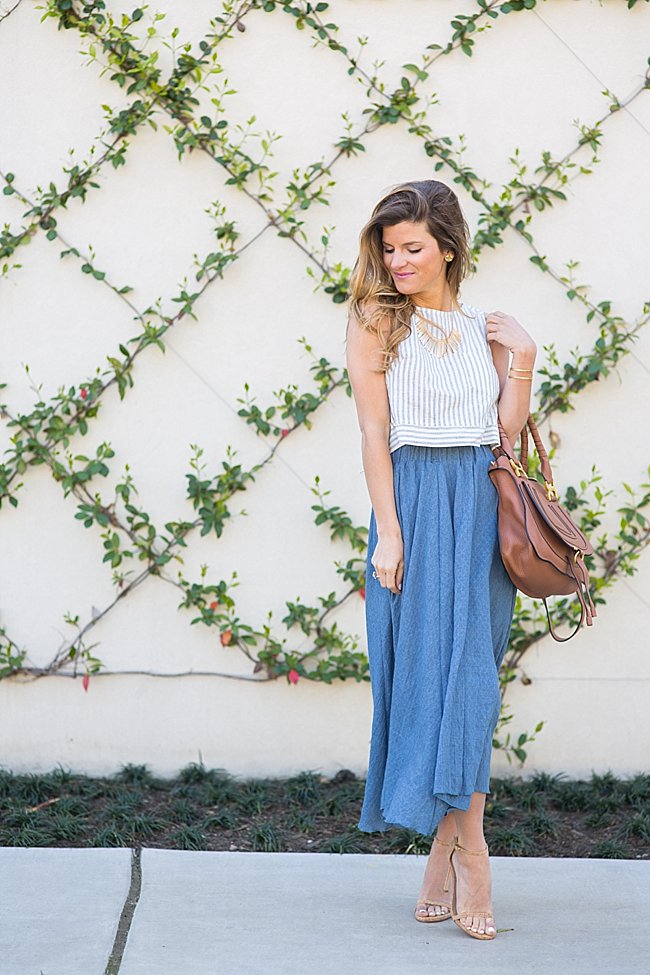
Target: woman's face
[(412, 257)]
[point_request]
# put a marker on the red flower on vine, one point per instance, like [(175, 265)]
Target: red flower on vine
[(214, 604), (85, 681), (84, 393), (294, 676), (226, 637), (285, 431), (362, 592)]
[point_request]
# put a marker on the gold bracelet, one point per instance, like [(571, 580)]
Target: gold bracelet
[(517, 369), (523, 379)]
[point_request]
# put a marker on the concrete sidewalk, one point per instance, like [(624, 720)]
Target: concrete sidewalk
[(100, 912)]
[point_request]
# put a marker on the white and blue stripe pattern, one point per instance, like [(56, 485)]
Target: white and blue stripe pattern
[(447, 401)]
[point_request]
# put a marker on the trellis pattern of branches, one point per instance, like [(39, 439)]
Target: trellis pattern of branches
[(136, 548)]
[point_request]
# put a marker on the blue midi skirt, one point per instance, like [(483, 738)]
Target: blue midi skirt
[(435, 648)]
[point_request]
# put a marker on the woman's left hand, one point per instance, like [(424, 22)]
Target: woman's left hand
[(506, 331)]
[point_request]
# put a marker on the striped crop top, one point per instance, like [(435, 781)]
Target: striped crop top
[(447, 401)]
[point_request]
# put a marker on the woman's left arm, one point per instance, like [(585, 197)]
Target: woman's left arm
[(506, 336)]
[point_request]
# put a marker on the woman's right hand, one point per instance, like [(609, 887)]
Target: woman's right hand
[(388, 562)]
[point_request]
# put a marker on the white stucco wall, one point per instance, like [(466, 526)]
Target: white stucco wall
[(530, 77)]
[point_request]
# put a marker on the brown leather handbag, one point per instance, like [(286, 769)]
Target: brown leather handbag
[(542, 548)]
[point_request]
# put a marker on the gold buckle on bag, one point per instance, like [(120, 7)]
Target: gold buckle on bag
[(517, 468), (551, 492)]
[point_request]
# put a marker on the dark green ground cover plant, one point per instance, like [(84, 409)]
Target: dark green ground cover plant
[(209, 809)]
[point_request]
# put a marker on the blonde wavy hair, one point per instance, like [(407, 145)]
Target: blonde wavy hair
[(373, 297)]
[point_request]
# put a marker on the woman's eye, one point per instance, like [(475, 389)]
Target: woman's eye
[(410, 251)]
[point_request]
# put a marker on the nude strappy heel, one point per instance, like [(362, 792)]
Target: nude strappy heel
[(458, 916), (427, 903)]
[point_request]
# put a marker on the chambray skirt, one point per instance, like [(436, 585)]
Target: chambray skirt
[(435, 648)]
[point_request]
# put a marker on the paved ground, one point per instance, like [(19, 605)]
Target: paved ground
[(103, 912)]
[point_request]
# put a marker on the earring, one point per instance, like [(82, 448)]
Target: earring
[(449, 257)]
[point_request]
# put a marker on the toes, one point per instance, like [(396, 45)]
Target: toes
[(432, 910), (479, 925)]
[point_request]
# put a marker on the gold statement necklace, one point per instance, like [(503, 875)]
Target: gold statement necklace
[(440, 346)]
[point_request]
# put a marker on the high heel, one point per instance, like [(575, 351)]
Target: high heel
[(456, 915), (427, 903)]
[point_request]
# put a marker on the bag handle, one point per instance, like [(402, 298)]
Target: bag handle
[(523, 449), (541, 450), (545, 464)]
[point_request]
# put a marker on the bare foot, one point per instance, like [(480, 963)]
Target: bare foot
[(433, 900), (474, 892)]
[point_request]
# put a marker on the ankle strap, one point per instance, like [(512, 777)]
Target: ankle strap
[(446, 843), (474, 853)]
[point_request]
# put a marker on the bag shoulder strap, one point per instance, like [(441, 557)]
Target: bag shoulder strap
[(563, 639)]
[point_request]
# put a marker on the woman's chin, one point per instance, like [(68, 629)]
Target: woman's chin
[(406, 287)]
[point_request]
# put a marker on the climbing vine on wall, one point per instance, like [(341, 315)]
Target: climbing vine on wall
[(132, 544)]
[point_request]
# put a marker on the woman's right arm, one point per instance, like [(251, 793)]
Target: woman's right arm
[(363, 353)]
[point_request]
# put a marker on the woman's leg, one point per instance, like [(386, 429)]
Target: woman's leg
[(447, 828), (474, 889)]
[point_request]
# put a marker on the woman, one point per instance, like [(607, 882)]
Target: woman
[(429, 375)]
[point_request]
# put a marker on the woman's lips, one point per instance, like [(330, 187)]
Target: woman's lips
[(407, 275)]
